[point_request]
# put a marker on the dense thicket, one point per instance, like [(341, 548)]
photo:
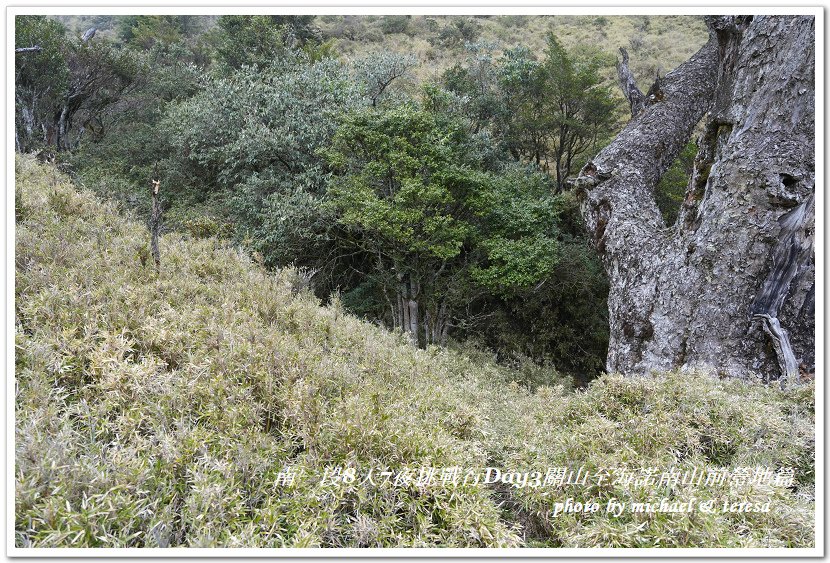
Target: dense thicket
[(547, 110), (434, 205)]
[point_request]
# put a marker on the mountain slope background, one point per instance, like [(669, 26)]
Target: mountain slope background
[(157, 409), (657, 42)]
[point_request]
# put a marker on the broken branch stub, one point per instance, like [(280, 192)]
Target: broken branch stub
[(155, 224), (635, 97)]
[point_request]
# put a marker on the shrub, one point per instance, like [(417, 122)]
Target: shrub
[(458, 31), (395, 24), (159, 409), (670, 420)]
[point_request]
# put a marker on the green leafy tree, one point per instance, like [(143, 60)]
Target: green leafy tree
[(581, 110), (395, 24), (440, 230), (145, 31), (459, 30), (669, 192), (68, 85), (247, 143), (41, 76), (129, 147), (249, 41), (539, 112), (550, 112), (261, 40), (379, 70), (563, 319), (478, 80)]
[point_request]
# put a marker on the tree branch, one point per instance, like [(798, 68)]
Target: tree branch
[(617, 185), (635, 97), (28, 49), (794, 248)]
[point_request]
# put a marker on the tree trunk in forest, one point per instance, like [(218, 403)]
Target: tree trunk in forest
[(61, 142), (730, 286), (412, 303), (407, 298), (28, 118), (436, 324)]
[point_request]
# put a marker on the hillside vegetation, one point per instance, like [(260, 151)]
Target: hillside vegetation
[(160, 409), (656, 42), (459, 207)]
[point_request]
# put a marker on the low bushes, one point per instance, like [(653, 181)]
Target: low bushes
[(213, 404)]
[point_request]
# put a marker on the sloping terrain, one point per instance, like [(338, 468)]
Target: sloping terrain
[(173, 408), (656, 42)]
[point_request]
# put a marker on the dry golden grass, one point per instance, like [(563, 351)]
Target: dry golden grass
[(655, 42)]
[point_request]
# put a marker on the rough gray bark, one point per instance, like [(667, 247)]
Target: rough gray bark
[(635, 97), (63, 122), (739, 260), (28, 116), (88, 34)]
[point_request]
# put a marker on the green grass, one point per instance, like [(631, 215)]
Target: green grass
[(158, 409)]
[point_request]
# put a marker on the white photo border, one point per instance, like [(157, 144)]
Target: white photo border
[(424, 8)]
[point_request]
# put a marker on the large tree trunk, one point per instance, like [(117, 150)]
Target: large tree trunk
[(729, 287)]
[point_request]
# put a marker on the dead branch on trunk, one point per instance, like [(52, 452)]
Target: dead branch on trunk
[(795, 244), (635, 97), (617, 184), (155, 225)]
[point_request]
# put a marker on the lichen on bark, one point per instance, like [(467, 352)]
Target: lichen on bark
[(689, 295)]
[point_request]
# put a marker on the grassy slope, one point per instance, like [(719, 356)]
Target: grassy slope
[(158, 409), (655, 42)]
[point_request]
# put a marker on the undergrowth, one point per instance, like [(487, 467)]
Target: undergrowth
[(167, 409)]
